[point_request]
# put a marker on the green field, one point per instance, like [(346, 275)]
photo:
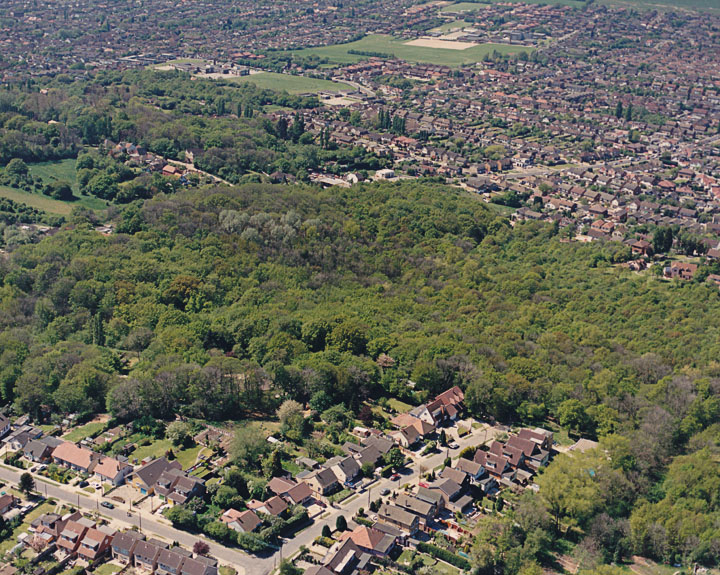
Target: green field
[(45, 507), (63, 170), (450, 26), (37, 201), (338, 53), (474, 6), (156, 449), (49, 172), (702, 5), (292, 84), (83, 431)]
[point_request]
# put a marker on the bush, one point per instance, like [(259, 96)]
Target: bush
[(325, 541), (444, 555), (463, 431)]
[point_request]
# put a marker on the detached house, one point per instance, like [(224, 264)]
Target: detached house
[(241, 521), (146, 477)]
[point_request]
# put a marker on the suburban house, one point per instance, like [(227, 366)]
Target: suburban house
[(345, 558), (274, 506), (7, 502), (406, 437), (123, 546), (146, 477), (145, 555), (298, 495), (346, 469), (169, 562), (71, 536), (425, 510), (199, 566), (5, 425), (322, 481), (48, 527), (174, 486), (40, 450), (84, 460), (112, 470), (96, 543), (241, 521), (398, 517), (431, 496), (371, 540)]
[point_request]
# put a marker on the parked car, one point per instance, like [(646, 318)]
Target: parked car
[(453, 445), (83, 484), (384, 491), (394, 477), (107, 505)]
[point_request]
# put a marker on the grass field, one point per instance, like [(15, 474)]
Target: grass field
[(291, 84), (702, 5), (49, 172), (338, 53), (460, 7), (37, 201), (450, 26), (52, 171), (156, 449), (187, 457), (83, 431)]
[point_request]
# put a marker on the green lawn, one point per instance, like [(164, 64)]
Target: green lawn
[(8, 544), (439, 567), (83, 431), (65, 170), (38, 201), (107, 569), (388, 45), (52, 171), (155, 449), (450, 26), (474, 6), (399, 406), (291, 84), (702, 5), (187, 457)]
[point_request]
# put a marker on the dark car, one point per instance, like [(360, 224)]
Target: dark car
[(107, 505), (83, 484)]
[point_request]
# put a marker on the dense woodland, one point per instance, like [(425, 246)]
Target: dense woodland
[(221, 303)]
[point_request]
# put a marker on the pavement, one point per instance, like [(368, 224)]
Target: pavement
[(249, 564)]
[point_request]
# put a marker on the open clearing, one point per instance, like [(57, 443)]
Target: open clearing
[(703, 5), (450, 26), (291, 84), (474, 6), (381, 43), (37, 201), (49, 172), (441, 44), (667, 5)]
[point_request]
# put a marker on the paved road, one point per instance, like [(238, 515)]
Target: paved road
[(150, 525), (247, 564)]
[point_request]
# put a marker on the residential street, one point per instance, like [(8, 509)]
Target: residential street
[(244, 563)]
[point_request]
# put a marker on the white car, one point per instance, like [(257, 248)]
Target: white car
[(453, 445)]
